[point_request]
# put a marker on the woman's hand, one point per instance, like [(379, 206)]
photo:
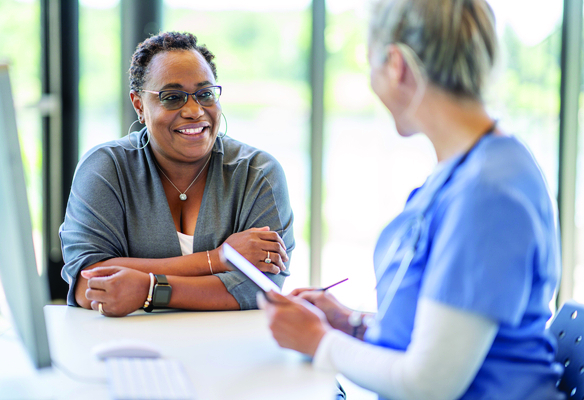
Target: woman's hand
[(295, 323), (336, 314), (120, 290), (254, 245)]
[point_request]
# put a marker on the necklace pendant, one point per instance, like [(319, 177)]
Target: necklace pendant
[(182, 196)]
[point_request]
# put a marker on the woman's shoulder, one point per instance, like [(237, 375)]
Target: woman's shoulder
[(236, 153), (109, 159), (502, 170), (116, 150), (505, 161), (507, 145)]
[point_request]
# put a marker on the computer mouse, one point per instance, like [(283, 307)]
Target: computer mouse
[(126, 348)]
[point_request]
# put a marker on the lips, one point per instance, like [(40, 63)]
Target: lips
[(192, 130)]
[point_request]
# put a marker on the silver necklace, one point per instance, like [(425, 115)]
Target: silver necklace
[(183, 195)]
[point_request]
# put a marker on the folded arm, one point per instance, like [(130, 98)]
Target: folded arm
[(203, 264), (124, 290)]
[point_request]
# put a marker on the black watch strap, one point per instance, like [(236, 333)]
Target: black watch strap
[(161, 279), (161, 293)]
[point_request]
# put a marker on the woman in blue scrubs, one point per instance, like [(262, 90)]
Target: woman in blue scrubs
[(466, 273)]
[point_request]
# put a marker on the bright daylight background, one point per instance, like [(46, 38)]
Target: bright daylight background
[(263, 50)]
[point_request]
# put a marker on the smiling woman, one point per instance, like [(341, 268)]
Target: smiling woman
[(148, 213)]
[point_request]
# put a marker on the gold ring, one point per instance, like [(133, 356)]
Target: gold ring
[(268, 260), (100, 308)]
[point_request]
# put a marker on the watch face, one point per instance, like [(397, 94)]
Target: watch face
[(161, 296)]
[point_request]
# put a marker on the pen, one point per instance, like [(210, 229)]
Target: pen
[(334, 284)]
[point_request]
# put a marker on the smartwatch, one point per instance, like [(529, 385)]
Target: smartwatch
[(160, 294)]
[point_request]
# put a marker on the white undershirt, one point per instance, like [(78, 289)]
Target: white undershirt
[(186, 243), (448, 347)]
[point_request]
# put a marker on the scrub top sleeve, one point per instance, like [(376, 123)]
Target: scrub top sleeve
[(482, 254), (93, 229), (266, 203)]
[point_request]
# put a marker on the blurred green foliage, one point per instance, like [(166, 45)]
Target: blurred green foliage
[(250, 46), (530, 82), (100, 82), (20, 47)]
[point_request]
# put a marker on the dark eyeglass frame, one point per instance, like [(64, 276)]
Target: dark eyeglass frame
[(185, 96)]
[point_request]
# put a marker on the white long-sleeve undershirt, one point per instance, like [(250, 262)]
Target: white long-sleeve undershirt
[(448, 347)]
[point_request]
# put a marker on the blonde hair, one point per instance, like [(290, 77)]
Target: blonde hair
[(454, 42)]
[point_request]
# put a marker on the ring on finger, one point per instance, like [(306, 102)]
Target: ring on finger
[(268, 260), (100, 308)]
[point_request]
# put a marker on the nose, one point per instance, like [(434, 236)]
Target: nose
[(192, 109)]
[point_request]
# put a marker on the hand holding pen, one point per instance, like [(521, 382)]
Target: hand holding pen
[(334, 284), (299, 291), (336, 314), (298, 325)]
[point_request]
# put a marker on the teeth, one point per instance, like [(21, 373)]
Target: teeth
[(191, 131)]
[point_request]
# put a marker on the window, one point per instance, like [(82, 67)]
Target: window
[(19, 25), (578, 293), (100, 84), (20, 28)]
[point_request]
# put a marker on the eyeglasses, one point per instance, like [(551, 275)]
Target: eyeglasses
[(175, 99)]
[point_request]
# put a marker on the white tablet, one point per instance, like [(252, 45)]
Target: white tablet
[(231, 257)]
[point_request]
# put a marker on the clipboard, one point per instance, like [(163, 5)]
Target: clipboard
[(231, 257)]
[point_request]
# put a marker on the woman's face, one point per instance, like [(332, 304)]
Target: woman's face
[(388, 81), (378, 77), (186, 134)]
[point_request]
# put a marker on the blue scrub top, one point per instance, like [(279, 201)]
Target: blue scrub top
[(488, 244)]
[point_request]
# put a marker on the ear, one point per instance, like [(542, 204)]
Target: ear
[(138, 106), (396, 64)]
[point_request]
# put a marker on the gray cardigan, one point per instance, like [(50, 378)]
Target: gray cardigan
[(117, 208)]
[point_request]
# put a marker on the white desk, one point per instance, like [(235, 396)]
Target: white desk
[(227, 355)]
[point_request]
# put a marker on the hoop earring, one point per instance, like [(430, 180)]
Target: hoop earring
[(222, 134), (137, 138)]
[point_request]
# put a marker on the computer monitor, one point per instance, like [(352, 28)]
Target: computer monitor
[(25, 291)]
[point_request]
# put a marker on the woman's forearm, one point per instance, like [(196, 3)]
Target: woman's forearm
[(200, 293), (196, 264), (189, 293), (448, 347)]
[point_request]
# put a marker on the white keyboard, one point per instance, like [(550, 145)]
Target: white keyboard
[(147, 379)]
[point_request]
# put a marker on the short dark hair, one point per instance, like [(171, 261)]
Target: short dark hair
[(164, 41)]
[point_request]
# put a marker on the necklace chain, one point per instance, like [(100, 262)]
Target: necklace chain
[(183, 195)]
